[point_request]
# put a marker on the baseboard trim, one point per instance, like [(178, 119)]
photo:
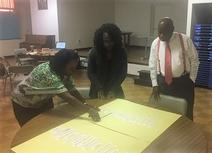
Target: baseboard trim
[(85, 48), (138, 63), (132, 76), (9, 56), (136, 46)]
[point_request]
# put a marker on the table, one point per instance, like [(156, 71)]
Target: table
[(42, 55), (183, 136), (126, 38)]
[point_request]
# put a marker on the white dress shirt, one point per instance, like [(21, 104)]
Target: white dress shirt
[(191, 58)]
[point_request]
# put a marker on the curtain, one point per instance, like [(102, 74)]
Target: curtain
[(7, 5)]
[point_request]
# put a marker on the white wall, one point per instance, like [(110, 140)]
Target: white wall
[(23, 11), (133, 69), (45, 22), (133, 16), (176, 10), (142, 16), (78, 20)]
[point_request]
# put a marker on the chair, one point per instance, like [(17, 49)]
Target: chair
[(22, 58), (84, 91), (4, 75), (13, 71), (171, 104), (8, 71)]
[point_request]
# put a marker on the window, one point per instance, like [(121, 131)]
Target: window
[(9, 20), (7, 5)]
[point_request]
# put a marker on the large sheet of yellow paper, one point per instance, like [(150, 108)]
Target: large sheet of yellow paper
[(136, 120), (80, 136), (125, 127)]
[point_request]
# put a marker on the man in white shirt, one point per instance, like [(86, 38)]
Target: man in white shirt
[(173, 64)]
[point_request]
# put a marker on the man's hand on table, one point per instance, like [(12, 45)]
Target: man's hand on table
[(110, 95), (156, 94)]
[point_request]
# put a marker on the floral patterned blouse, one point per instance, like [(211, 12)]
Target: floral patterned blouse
[(41, 84)]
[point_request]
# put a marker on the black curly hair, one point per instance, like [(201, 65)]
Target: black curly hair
[(61, 59), (114, 33)]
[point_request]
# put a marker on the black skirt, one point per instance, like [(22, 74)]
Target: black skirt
[(23, 114)]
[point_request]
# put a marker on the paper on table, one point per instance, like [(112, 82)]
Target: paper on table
[(136, 120), (80, 136), (125, 128)]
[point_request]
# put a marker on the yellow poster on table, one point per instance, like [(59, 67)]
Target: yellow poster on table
[(136, 120), (125, 127), (80, 136)]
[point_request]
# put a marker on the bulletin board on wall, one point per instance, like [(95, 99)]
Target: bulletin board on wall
[(9, 26)]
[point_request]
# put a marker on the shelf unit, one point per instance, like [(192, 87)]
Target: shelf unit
[(203, 42)]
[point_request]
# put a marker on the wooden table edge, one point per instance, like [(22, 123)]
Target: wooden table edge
[(157, 142)]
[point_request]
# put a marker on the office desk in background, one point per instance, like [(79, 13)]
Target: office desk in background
[(42, 55)]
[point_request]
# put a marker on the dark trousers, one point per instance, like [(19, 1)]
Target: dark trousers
[(182, 87), (23, 114), (118, 92)]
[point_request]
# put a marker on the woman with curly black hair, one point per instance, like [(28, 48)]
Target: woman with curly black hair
[(107, 64)]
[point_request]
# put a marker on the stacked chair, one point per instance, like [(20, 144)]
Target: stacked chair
[(203, 42)]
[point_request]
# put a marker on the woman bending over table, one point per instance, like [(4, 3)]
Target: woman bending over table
[(34, 94)]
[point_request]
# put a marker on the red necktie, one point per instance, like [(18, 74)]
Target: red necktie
[(168, 65)]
